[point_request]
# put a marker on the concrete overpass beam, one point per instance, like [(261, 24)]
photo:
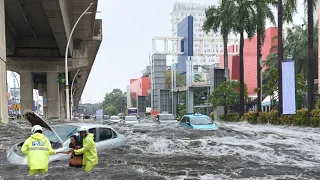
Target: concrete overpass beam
[(58, 15), (26, 91), (48, 65), (3, 68), (52, 95)]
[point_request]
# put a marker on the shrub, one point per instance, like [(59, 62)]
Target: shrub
[(212, 115), (231, 117), (263, 118), (287, 119), (301, 118), (273, 118), (315, 118), (251, 117)]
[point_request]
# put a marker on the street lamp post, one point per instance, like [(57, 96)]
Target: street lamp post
[(73, 92), (66, 62)]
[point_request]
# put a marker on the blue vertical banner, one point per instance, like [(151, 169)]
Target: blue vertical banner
[(288, 87)]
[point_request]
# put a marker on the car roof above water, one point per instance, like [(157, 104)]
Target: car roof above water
[(197, 115)]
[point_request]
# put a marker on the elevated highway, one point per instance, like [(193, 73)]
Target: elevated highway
[(35, 34)]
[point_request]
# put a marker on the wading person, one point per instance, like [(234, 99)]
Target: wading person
[(38, 149), (88, 149)]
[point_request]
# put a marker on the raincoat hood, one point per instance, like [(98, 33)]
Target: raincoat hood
[(37, 136)]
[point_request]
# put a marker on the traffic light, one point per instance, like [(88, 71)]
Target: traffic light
[(61, 78)]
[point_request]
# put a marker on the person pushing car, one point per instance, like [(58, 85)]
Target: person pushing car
[(38, 149), (89, 151)]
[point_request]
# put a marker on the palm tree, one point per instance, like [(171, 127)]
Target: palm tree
[(218, 20), (242, 12), (263, 13), (295, 44), (286, 9)]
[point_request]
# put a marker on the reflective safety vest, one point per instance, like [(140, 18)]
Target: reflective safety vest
[(88, 150), (38, 150)]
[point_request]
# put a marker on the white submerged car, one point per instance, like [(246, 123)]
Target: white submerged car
[(131, 119), (115, 119), (166, 118), (59, 136)]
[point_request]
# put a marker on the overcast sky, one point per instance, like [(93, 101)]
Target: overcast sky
[(128, 28)]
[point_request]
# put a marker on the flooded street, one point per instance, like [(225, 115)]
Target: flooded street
[(154, 151)]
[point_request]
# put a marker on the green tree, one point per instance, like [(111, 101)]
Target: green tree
[(182, 104), (116, 98), (181, 80), (243, 13), (295, 44), (133, 100), (110, 110), (218, 19), (148, 100), (271, 86), (227, 94), (263, 13)]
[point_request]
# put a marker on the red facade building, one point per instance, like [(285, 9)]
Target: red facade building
[(250, 59), (140, 86)]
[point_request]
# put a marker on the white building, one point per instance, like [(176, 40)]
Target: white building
[(183, 9)]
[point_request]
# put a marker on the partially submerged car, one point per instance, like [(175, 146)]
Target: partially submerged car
[(197, 121), (131, 119), (115, 119), (166, 118), (59, 136)]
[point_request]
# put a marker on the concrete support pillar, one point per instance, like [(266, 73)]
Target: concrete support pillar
[(189, 101), (63, 114), (45, 104), (3, 69), (53, 95), (26, 91)]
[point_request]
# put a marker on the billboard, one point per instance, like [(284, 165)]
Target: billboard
[(288, 87), (185, 30)]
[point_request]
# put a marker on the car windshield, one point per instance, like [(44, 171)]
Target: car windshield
[(114, 117), (64, 132), (165, 117), (131, 118), (200, 120)]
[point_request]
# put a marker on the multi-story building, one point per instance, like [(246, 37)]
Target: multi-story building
[(138, 87), (250, 59), (183, 9)]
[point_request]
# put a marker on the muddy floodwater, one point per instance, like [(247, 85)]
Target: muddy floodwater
[(155, 151)]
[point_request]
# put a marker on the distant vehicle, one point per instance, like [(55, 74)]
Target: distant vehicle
[(131, 119), (132, 111), (197, 121), (59, 136), (115, 119), (166, 118)]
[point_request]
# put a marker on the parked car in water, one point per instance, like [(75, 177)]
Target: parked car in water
[(115, 119), (197, 121), (59, 136), (166, 118), (131, 119)]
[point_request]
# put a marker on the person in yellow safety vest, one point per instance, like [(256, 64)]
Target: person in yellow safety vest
[(89, 151), (38, 149)]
